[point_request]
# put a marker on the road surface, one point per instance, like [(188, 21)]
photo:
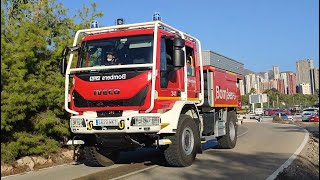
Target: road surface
[(261, 149)]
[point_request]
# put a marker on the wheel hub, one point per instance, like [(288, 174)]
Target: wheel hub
[(187, 141), (232, 131)]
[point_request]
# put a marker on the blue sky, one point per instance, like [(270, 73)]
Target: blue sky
[(258, 33)]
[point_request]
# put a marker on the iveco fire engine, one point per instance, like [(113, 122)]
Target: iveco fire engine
[(144, 85)]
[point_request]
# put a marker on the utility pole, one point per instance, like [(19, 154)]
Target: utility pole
[(278, 101), (293, 100)]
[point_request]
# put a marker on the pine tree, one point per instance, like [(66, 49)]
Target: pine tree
[(33, 35)]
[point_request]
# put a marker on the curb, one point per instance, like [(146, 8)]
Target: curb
[(293, 156)]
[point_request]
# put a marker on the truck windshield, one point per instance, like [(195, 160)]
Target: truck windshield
[(116, 51)]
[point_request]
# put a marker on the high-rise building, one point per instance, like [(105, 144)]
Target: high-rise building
[(252, 81), (274, 84), (241, 87), (314, 74), (291, 83), (304, 88), (284, 77), (276, 72), (259, 79), (265, 85), (280, 85), (303, 68), (247, 83), (266, 76)]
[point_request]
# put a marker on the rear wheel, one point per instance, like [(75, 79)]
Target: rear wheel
[(98, 158), (182, 151), (229, 140)]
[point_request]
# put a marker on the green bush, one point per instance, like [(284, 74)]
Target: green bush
[(277, 119), (49, 124), (26, 144), (9, 152)]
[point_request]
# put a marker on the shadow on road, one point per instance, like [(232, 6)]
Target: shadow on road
[(153, 156), (290, 128), (148, 156), (224, 164)]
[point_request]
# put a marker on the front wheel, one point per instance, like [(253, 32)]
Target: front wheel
[(182, 151), (96, 157), (229, 140)]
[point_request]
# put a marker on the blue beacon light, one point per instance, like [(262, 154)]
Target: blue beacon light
[(94, 24), (156, 16)]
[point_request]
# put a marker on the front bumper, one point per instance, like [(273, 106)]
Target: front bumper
[(89, 124)]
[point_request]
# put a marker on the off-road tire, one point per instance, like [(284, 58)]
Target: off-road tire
[(97, 158), (229, 140), (175, 154)]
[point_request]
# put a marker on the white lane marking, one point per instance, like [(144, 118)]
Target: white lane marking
[(242, 134), (294, 155), (133, 173)]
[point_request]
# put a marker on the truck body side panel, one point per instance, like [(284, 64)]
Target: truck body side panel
[(225, 90)]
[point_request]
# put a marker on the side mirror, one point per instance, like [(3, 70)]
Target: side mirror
[(63, 61), (178, 42), (178, 53), (65, 52)]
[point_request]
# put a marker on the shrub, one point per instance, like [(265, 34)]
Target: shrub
[(26, 144), (277, 119)]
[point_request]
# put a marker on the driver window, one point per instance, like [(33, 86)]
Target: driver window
[(190, 61), (166, 61), (91, 57)]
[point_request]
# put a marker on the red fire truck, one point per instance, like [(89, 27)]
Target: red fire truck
[(144, 85)]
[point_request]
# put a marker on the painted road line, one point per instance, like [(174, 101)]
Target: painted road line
[(293, 157), (133, 173), (243, 133)]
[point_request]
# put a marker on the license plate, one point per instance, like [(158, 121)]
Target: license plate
[(106, 122)]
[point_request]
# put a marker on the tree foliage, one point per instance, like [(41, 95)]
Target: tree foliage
[(33, 35), (278, 100)]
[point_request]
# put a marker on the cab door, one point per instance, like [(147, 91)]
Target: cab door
[(191, 73), (171, 78)]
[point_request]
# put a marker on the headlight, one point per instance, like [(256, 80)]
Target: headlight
[(145, 121), (77, 122)]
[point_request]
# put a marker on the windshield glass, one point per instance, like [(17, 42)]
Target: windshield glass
[(116, 51), (306, 113)]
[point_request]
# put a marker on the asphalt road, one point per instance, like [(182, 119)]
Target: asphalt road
[(261, 149)]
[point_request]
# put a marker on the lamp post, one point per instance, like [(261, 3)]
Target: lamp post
[(278, 101)]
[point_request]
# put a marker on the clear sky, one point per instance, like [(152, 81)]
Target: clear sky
[(258, 33)]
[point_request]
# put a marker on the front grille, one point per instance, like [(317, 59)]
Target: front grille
[(109, 113), (137, 100)]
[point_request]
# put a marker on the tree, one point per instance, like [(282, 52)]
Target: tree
[(317, 93), (33, 35), (253, 91)]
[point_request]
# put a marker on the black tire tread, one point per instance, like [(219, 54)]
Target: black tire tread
[(172, 154), (224, 141), (95, 159)]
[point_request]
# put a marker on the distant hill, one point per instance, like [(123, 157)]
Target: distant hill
[(247, 72), (270, 73)]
